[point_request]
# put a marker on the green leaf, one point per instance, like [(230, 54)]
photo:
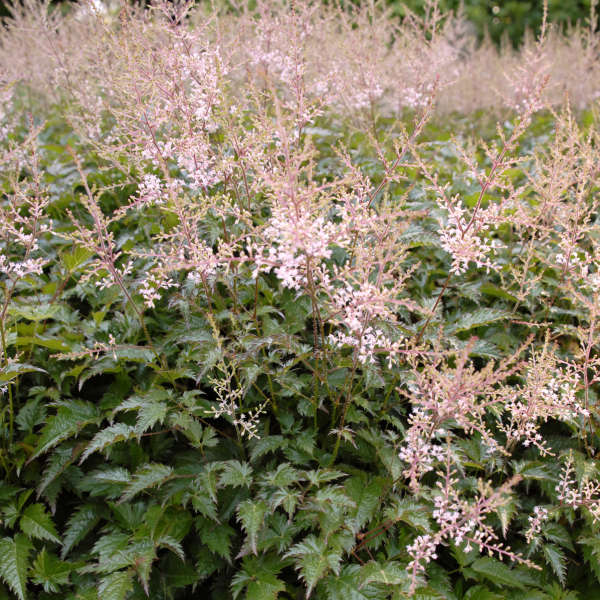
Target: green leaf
[(497, 572), (480, 592), (14, 563), (492, 290), (266, 445), (13, 369), (236, 474), (36, 523), (61, 458), (314, 559), (366, 497), (348, 586), (119, 432), (166, 541), (111, 549), (52, 343), (147, 476), (216, 536), (69, 420), (391, 573), (81, 523), (251, 515), (559, 534), (411, 513), (178, 574), (50, 572), (34, 312), (30, 415), (555, 557), (258, 576), (536, 470), (76, 257), (477, 318), (116, 586), (150, 409), (141, 354)]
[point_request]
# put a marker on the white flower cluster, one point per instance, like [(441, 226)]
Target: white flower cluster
[(110, 279), (419, 451), (554, 397), (459, 521), (151, 286), (195, 159), (245, 422), (462, 238), (150, 190), (578, 494), (540, 515), (20, 268), (295, 238), (355, 308)]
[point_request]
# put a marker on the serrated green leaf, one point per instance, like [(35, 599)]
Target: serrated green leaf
[(119, 432), (116, 586), (556, 532), (390, 573), (258, 576), (348, 586), (13, 369), (81, 523), (110, 545), (555, 557), (236, 474), (68, 422), (14, 563), (50, 572), (266, 445), (178, 574), (480, 592), (536, 470), (34, 312), (314, 559), (36, 523), (52, 343), (366, 496), (133, 353), (216, 536), (77, 256), (251, 515), (58, 462), (493, 290), (477, 318), (499, 573), (166, 541), (147, 476), (143, 566), (151, 409), (415, 515)]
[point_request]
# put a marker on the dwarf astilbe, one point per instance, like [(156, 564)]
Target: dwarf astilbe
[(461, 521), (549, 393), (446, 397), (578, 491), (24, 223), (316, 296)]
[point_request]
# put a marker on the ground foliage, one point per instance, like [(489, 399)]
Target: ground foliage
[(191, 409)]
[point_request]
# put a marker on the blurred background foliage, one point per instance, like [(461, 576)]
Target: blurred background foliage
[(507, 18), (501, 19)]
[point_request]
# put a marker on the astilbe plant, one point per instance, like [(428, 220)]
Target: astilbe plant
[(255, 320)]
